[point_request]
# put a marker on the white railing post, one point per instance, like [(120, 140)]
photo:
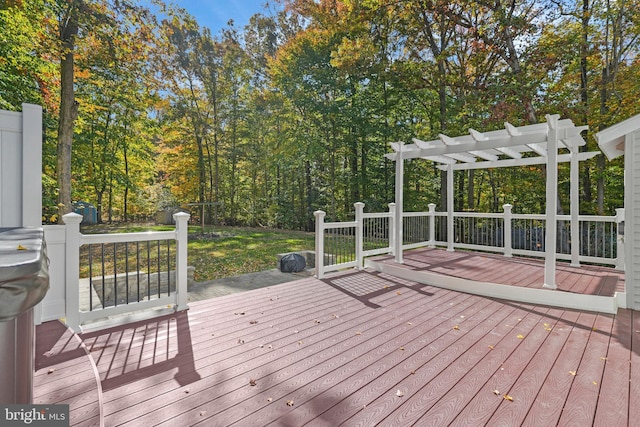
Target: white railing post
[(432, 225), (392, 228), (359, 233), (620, 264), (508, 250), (72, 270), (319, 243), (182, 225)]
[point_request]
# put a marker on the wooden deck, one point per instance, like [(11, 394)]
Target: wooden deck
[(587, 287), (355, 349)]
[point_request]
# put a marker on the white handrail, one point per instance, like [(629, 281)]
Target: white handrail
[(74, 240), (498, 235)]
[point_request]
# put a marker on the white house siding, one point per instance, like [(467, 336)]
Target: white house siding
[(632, 220)]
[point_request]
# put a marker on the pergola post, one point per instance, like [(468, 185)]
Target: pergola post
[(450, 208), (551, 205), (399, 203)]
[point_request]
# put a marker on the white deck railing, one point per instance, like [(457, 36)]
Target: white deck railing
[(341, 245), (120, 287)]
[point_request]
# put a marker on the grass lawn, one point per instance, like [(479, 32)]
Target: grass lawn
[(227, 251)]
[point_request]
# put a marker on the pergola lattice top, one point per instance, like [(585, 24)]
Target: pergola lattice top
[(500, 148), (511, 146)]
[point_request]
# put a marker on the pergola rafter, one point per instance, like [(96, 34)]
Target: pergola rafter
[(508, 147)]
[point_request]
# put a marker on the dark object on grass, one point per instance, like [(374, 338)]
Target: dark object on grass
[(292, 263)]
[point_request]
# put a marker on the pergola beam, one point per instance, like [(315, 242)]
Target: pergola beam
[(526, 161), (491, 144)]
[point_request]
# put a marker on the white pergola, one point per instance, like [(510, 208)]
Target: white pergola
[(512, 146)]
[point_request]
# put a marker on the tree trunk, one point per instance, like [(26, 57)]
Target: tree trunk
[(471, 190), (68, 112)]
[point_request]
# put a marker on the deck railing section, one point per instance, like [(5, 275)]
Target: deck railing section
[(601, 237), (115, 274)]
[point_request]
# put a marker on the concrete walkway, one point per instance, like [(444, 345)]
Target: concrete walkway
[(242, 283)]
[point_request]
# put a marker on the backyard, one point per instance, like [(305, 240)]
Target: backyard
[(220, 251)]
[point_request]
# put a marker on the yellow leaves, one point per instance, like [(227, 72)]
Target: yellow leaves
[(21, 248), (572, 373), (520, 337), (507, 397), (455, 328), (490, 347), (358, 333)]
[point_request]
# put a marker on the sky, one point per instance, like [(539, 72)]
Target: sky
[(216, 13)]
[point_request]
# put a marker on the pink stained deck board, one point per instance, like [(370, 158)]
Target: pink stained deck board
[(336, 352)]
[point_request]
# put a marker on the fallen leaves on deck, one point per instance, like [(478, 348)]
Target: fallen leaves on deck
[(253, 322), (456, 327), (573, 373), (496, 392), (399, 393), (252, 382), (290, 403), (520, 336), (239, 313), (507, 397)]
